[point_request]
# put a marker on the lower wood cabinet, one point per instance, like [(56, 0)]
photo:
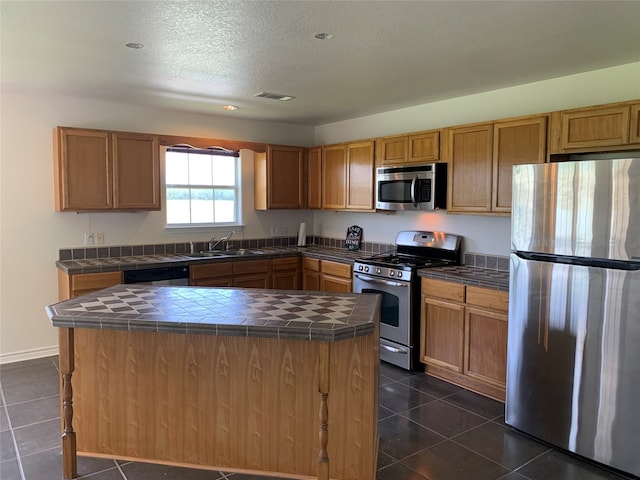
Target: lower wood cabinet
[(326, 276), (310, 274), (246, 274), (285, 273), (71, 286), (464, 335)]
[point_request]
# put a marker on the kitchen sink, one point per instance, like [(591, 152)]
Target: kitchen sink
[(225, 253), (244, 252), (206, 254)]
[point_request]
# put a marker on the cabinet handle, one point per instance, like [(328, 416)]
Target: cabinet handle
[(394, 349)]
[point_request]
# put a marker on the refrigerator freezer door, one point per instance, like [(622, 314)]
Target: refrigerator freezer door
[(573, 370), (583, 209)]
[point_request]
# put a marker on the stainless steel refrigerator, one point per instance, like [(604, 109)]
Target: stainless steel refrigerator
[(573, 367)]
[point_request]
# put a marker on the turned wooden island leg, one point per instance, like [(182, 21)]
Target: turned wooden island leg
[(323, 388), (69, 459)]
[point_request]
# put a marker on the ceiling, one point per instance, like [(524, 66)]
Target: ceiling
[(384, 55)]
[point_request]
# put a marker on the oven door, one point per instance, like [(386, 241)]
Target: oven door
[(396, 327)]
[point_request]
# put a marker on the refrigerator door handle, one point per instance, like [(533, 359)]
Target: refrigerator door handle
[(581, 261)]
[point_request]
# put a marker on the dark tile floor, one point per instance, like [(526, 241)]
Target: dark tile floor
[(429, 430)]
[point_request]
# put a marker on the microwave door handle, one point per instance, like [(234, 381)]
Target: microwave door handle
[(414, 182)]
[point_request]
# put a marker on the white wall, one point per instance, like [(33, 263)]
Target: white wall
[(483, 234), (32, 232)]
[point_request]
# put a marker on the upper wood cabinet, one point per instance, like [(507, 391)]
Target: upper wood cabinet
[(334, 176), (420, 147), (481, 158), (469, 155), (101, 170), (348, 176), (314, 177), (611, 126), (360, 175), (279, 178), (515, 142)]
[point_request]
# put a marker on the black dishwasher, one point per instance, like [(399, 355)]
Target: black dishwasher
[(158, 276)]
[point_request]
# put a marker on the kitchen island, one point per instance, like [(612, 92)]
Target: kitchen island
[(269, 382)]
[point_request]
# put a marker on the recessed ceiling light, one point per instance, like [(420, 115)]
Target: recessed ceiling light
[(230, 108), (135, 46), (323, 36)]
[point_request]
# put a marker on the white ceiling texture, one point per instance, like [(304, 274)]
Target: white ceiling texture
[(383, 55)]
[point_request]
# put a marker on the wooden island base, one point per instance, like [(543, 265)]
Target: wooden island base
[(293, 408)]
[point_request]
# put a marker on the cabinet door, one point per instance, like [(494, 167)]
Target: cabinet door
[(634, 131), (286, 273), (213, 282), (285, 177), (595, 127), (360, 160), (83, 175), (90, 282), (424, 147), (442, 334), (393, 150), (211, 275), (314, 178), (469, 152), (334, 176), (255, 280), (329, 283), (136, 173), (486, 345), (515, 142), (310, 280)]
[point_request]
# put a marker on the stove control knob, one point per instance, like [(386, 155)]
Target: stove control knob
[(399, 274), (360, 267), (391, 273), (366, 269), (378, 271)]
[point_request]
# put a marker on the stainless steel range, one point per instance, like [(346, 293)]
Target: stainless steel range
[(394, 276)]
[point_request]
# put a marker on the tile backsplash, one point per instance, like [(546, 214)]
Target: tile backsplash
[(83, 253), (482, 260), (492, 262)]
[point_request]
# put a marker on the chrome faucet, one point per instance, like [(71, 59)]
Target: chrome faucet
[(213, 245)]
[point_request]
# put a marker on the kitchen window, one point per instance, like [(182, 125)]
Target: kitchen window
[(202, 187)]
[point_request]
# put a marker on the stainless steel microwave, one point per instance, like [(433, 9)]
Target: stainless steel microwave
[(416, 187)]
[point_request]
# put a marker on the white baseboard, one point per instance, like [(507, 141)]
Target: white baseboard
[(28, 354)]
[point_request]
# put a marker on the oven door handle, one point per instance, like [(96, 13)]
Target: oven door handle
[(377, 280), (413, 191), (394, 349)]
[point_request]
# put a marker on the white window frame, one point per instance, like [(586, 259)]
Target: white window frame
[(238, 188)]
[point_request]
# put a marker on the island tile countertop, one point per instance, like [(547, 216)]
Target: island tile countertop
[(481, 277), (137, 262), (284, 314)]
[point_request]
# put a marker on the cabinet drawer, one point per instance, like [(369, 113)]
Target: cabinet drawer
[(311, 264), (442, 289), (252, 266), (488, 298), (95, 281), (336, 269), (290, 263), (211, 270)]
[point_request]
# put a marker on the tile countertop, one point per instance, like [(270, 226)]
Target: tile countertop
[(481, 277), (283, 314), (112, 264)]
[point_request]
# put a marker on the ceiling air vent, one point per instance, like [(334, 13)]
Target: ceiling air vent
[(274, 96)]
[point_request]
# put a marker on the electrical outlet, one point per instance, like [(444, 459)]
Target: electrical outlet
[(99, 238), (89, 239), (278, 231)]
